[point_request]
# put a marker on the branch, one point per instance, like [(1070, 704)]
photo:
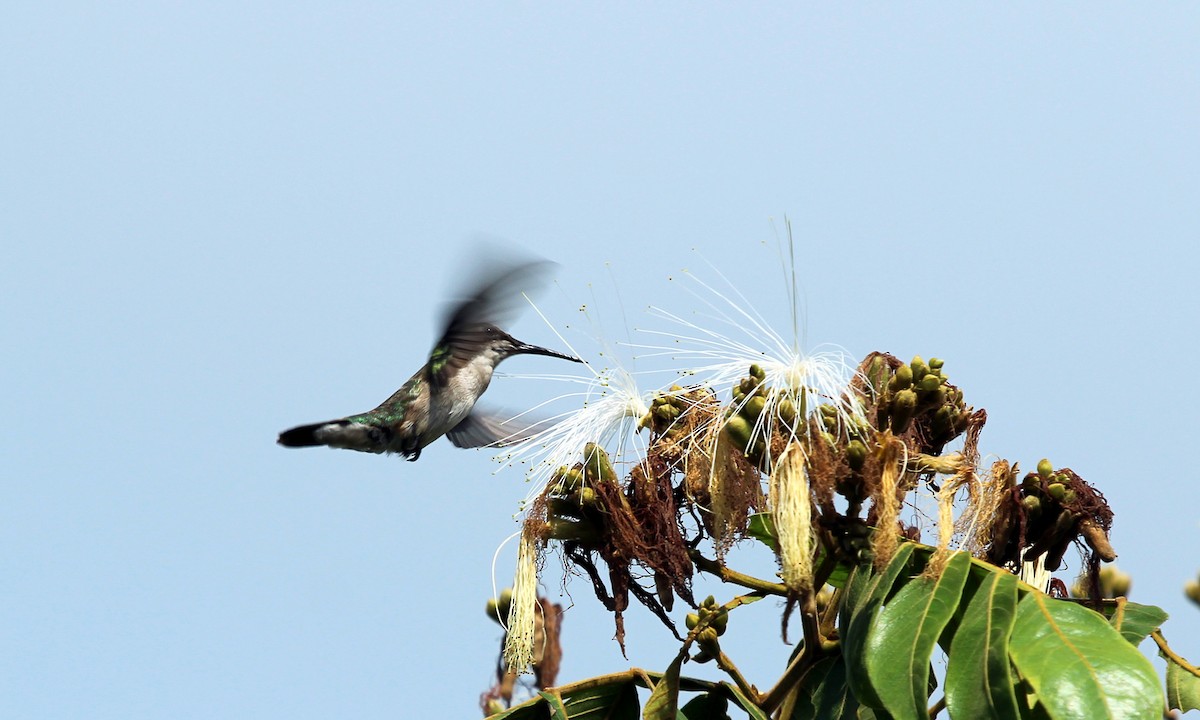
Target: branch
[(724, 663), (712, 567), (1166, 650)]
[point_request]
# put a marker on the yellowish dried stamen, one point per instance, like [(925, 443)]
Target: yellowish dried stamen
[(792, 505), (993, 490), (891, 459), (963, 476), (522, 615)]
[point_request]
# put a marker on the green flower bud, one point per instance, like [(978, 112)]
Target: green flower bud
[(943, 420), (753, 407), (919, 368), (597, 466), (497, 608), (1057, 490), (757, 371), (691, 621), (903, 378), (856, 454), (1044, 468), (1033, 504), (786, 411), (737, 430), (708, 642), (564, 529), (720, 622), (929, 383), (904, 405), (877, 374), (936, 363)]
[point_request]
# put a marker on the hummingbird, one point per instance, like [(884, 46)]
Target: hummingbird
[(440, 398)]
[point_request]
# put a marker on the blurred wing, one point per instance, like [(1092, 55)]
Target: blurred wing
[(494, 297), (495, 300), (491, 429)]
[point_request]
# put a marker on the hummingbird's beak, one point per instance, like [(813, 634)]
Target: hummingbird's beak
[(521, 348)]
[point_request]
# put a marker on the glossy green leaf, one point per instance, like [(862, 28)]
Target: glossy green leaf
[(1135, 621), (663, 703), (824, 694), (709, 706), (608, 702), (853, 596), (870, 593), (744, 702), (762, 528), (535, 709), (1183, 688), (906, 630), (979, 683), (1078, 665), (558, 711)]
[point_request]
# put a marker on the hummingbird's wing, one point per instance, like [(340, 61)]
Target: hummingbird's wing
[(494, 429), (469, 324)]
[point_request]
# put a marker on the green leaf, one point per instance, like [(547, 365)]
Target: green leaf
[(978, 681), (824, 695), (870, 594), (1135, 621), (535, 709), (1183, 688), (709, 706), (1078, 665), (557, 710), (618, 701), (663, 703), (744, 702), (762, 529), (906, 630)]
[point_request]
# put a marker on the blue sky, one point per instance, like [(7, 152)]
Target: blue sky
[(222, 220)]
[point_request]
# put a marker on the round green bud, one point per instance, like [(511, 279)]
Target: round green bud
[(737, 430), (1032, 503), (936, 363), (757, 371), (691, 621), (753, 407), (929, 383), (721, 621), (786, 411), (707, 640), (903, 378), (1044, 468), (919, 368), (904, 405), (856, 454)]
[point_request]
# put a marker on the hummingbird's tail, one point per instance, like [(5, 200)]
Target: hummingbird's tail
[(338, 434), (303, 436)]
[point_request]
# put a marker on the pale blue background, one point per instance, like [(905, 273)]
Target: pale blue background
[(222, 220)]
